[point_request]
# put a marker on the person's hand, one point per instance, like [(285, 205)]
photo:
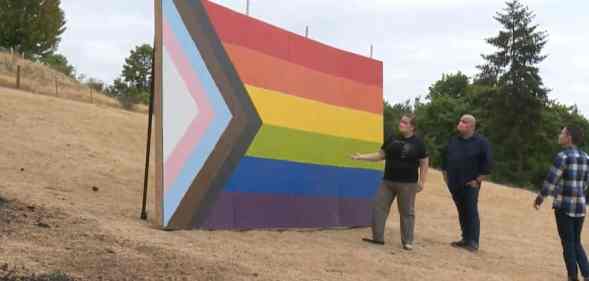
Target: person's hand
[(538, 202), (473, 184), (355, 156), (420, 186)]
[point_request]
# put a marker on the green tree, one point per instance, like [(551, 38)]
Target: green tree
[(127, 96), (137, 68), (32, 28), (445, 102), (118, 88), (453, 85), (437, 119), (510, 103), (95, 84), (134, 85), (513, 69), (59, 63)]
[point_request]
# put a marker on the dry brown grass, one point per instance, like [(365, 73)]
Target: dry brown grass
[(54, 151), (41, 79)]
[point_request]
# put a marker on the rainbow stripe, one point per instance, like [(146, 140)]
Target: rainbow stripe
[(318, 105), (255, 125)]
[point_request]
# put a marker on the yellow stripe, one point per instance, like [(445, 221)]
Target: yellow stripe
[(278, 109)]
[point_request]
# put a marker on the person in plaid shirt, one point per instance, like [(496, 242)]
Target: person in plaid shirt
[(567, 182)]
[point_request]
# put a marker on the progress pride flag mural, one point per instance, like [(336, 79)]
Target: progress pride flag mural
[(255, 124)]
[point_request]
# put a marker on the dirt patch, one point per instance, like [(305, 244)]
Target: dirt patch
[(8, 274), (78, 246), (16, 217)]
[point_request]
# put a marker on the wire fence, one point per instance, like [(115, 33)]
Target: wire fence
[(19, 73)]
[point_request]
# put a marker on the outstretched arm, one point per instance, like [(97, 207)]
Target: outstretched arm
[(370, 157)]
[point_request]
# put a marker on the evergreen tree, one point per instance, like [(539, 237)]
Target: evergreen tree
[(32, 28), (513, 68)]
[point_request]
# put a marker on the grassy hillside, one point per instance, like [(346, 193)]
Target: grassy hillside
[(41, 79), (71, 185)]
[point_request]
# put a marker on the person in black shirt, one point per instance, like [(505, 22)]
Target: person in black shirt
[(466, 162), (406, 167)]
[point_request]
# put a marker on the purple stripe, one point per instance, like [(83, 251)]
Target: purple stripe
[(235, 210)]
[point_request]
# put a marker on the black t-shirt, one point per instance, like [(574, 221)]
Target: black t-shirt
[(402, 157)]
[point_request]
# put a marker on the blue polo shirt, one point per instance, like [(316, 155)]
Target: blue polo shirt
[(466, 159)]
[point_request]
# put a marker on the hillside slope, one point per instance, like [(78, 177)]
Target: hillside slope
[(42, 79), (71, 181)]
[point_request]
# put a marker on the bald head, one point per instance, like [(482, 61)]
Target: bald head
[(469, 119), (467, 125)]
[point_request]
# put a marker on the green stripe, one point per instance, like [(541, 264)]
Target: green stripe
[(279, 143)]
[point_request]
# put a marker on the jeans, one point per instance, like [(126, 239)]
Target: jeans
[(569, 230), (466, 199)]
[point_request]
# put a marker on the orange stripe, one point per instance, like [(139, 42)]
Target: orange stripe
[(238, 29), (264, 71)]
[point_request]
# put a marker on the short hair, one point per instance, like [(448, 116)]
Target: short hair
[(576, 134), (412, 119)]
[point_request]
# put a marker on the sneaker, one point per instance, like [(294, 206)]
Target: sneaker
[(373, 241), (408, 247)]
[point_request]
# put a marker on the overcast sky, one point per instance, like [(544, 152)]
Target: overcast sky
[(418, 40)]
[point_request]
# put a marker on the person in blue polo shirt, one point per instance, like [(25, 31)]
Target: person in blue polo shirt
[(567, 182), (466, 162)]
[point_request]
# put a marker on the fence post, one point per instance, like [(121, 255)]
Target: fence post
[(18, 76)]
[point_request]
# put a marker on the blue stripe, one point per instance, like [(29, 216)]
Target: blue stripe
[(258, 175), (221, 118)]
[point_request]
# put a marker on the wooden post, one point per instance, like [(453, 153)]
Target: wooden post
[(18, 76)]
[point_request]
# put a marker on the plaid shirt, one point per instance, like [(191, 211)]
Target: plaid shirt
[(567, 181)]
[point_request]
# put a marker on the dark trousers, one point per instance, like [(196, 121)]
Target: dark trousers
[(466, 199), (569, 230)]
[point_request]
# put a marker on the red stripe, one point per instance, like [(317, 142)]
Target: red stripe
[(238, 29), (264, 71)]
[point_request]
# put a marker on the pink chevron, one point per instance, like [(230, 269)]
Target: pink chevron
[(198, 126)]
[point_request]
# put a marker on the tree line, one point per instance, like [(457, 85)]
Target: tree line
[(507, 96)]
